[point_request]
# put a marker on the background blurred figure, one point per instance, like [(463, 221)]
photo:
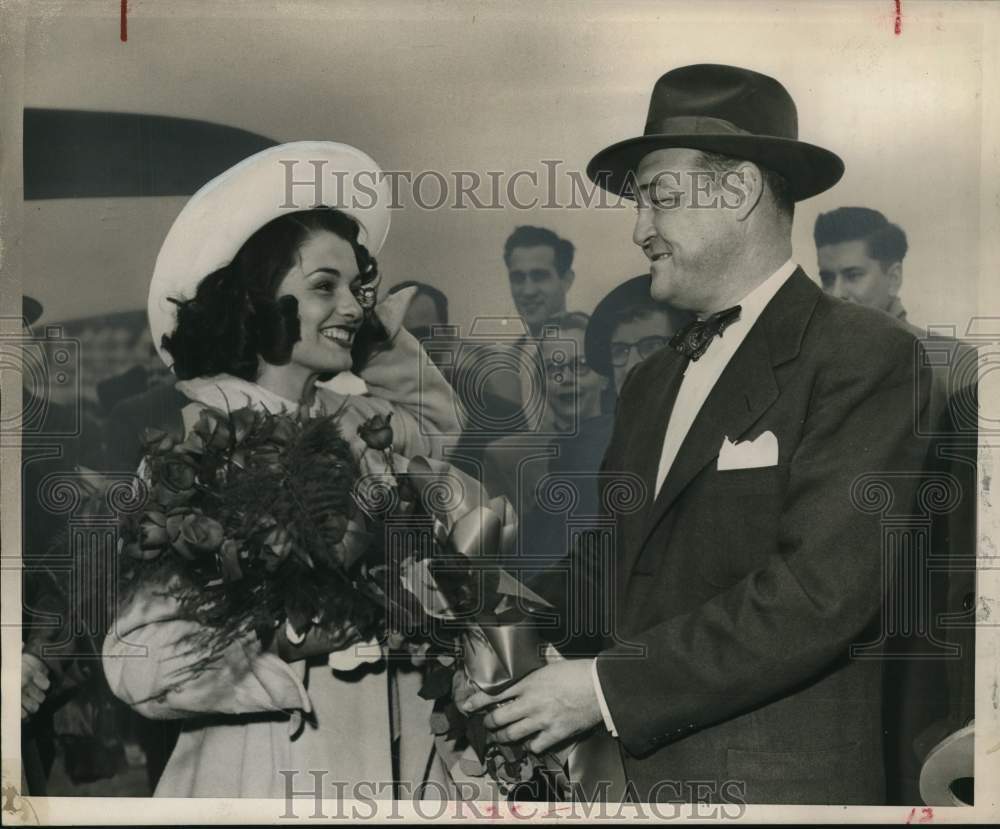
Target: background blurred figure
[(860, 255), (500, 374), (66, 715), (627, 326), (428, 308), (515, 465), (39, 457), (146, 373), (540, 270), (573, 389), (427, 320)]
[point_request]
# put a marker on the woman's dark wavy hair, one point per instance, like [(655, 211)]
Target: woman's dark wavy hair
[(235, 316)]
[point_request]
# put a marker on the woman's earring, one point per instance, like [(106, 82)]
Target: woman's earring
[(366, 296)]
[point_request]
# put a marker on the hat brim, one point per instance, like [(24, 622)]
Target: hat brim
[(31, 309), (808, 169), (604, 320)]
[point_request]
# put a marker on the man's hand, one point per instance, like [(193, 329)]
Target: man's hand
[(549, 705), (34, 684)]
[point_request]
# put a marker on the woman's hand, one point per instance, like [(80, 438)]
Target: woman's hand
[(34, 684), (318, 642)]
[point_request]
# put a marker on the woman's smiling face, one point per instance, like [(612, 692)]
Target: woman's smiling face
[(323, 282)]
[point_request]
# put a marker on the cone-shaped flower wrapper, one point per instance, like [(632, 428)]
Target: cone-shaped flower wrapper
[(502, 644)]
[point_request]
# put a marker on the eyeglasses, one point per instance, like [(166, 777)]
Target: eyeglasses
[(644, 348), (575, 368)]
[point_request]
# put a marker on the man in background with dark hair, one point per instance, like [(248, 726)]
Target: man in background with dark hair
[(540, 269), (860, 255), (504, 370)]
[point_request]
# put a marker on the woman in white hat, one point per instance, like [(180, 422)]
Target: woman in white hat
[(258, 295)]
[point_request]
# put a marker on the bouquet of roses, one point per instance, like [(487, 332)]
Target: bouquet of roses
[(252, 525)]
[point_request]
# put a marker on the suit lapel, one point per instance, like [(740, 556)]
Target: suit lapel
[(650, 434), (746, 389), (646, 444)]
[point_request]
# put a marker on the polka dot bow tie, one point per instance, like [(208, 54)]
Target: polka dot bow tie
[(694, 339)]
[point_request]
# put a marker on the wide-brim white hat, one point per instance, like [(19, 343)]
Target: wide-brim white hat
[(227, 211)]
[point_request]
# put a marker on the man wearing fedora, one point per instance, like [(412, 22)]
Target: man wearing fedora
[(757, 561)]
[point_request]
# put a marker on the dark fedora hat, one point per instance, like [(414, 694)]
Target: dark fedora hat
[(727, 110), (632, 293)]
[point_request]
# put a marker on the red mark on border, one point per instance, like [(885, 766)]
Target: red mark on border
[(899, 16), (124, 20), (926, 815)]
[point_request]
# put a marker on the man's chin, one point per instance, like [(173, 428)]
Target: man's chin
[(662, 287)]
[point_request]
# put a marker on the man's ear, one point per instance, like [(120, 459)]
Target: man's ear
[(742, 188), (568, 278), (894, 274)]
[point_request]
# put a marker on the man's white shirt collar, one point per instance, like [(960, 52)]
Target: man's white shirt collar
[(754, 303)]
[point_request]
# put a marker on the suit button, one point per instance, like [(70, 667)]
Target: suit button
[(969, 601)]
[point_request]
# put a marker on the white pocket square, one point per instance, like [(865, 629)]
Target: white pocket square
[(749, 454)]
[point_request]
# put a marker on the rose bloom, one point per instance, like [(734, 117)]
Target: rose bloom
[(153, 531), (243, 421), (136, 550), (198, 534), (213, 426), (376, 432), (156, 440), (177, 474)]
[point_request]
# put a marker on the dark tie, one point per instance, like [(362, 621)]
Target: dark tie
[(694, 339)]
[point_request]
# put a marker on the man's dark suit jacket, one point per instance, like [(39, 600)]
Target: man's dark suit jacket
[(746, 588)]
